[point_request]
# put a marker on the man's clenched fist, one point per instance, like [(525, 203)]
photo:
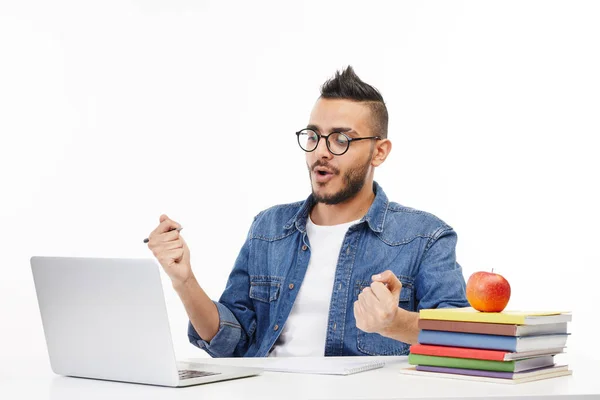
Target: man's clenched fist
[(170, 250), (377, 305)]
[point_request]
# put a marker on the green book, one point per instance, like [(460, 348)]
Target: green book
[(486, 365)]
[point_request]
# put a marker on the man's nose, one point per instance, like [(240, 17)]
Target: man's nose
[(322, 150)]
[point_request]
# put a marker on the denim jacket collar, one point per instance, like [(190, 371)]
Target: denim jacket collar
[(375, 217)]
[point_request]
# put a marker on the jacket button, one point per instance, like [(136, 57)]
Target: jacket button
[(276, 327), (291, 286), (304, 247)]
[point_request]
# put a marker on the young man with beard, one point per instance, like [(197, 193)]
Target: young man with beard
[(342, 273)]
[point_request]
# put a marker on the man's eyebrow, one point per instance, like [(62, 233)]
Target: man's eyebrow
[(340, 129)]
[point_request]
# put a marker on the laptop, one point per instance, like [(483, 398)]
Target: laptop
[(106, 318)]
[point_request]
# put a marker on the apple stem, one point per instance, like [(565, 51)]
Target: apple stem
[(492, 270)]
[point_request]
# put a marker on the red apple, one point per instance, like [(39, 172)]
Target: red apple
[(488, 292)]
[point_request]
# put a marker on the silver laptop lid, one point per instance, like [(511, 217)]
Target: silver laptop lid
[(105, 318)]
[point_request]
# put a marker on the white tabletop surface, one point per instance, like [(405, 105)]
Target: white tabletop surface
[(40, 382)]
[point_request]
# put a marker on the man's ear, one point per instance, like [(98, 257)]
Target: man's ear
[(381, 151)]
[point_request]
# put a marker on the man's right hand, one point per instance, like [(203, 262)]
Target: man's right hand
[(170, 250)]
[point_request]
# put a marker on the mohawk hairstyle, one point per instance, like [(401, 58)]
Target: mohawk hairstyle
[(347, 85)]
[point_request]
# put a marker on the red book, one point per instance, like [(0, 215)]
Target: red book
[(479, 354)]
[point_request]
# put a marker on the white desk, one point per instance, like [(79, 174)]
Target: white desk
[(384, 383)]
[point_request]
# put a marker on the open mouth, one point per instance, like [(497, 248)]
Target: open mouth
[(323, 171), (323, 175)]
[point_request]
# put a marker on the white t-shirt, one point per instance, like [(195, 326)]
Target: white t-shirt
[(305, 330)]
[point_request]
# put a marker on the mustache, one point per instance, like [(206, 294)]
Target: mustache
[(320, 163)]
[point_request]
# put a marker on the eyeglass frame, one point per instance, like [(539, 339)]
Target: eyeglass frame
[(326, 137)]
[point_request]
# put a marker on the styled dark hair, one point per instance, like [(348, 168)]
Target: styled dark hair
[(347, 85)]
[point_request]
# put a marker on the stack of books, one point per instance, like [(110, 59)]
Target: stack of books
[(505, 347)]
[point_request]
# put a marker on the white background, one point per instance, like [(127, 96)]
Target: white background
[(114, 112)]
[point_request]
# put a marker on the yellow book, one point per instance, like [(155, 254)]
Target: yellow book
[(469, 314)]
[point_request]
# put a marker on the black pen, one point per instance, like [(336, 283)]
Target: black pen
[(178, 229)]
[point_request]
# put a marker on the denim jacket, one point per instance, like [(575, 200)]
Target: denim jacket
[(268, 272)]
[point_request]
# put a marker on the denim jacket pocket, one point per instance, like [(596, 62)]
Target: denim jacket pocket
[(373, 343), (264, 288)]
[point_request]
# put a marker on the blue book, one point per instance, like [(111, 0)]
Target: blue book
[(492, 342)]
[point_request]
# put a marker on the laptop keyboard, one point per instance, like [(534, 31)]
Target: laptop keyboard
[(188, 373)]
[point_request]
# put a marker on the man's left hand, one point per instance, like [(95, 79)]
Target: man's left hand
[(377, 305)]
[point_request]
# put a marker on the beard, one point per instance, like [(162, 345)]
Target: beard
[(353, 178)]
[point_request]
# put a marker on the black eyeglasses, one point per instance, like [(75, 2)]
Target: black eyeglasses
[(337, 142)]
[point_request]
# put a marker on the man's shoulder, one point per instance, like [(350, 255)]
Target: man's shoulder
[(271, 222), (404, 224)]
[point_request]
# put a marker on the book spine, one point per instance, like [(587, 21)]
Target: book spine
[(459, 352), (468, 327), (471, 340), (466, 363), (491, 317), (470, 372)]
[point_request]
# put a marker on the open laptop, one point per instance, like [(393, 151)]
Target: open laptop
[(106, 318)]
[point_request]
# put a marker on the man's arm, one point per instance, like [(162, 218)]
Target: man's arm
[(200, 309), (219, 328), (173, 254), (439, 283)]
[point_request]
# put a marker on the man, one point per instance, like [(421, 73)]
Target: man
[(342, 273)]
